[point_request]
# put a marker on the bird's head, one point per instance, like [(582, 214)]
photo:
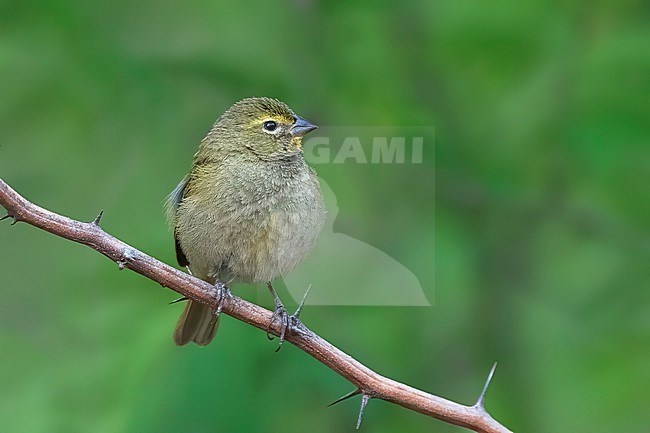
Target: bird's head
[(262, 127)]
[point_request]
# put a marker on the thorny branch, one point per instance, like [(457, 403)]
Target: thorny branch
[(368, 384)]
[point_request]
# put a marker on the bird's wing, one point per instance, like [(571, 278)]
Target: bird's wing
[(173, 200), (171, 205), (180, 255)]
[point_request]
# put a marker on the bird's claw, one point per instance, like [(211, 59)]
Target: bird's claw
[(220, 293), (287, 321)]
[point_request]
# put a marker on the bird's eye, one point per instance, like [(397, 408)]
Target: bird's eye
[(270, 126)]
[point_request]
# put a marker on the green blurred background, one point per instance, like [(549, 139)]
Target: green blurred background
[(539, 257)]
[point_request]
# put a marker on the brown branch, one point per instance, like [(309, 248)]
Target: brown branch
[(368, 383)]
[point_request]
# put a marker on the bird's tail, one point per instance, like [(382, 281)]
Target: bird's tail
[(197, 324)]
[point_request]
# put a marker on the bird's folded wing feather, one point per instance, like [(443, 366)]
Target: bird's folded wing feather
[(171, 206)]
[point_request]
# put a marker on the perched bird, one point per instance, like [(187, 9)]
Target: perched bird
[(250, 208)]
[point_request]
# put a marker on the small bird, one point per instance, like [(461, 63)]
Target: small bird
[(249, 210)]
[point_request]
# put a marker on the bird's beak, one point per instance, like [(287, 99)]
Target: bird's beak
[(301, 127)]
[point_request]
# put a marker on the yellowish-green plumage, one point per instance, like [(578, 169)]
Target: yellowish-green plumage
[(250, 209)]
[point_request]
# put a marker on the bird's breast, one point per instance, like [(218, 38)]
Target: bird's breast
[(257, 225)]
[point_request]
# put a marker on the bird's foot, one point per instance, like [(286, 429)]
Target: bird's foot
[(219, 294), (287, 321)]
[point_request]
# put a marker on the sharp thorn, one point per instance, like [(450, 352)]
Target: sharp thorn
[(176, 301), (364, 401), (345, 397), (480, 403), (98, 218), (302, 303), (9, 216)]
